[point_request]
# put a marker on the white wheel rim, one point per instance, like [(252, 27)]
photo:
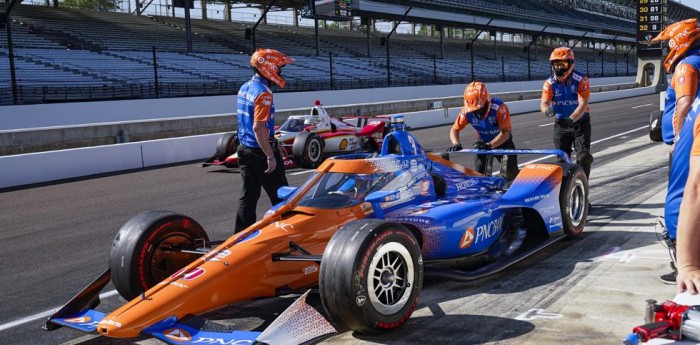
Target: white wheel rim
[(314, 150), (576, 204), (390, 278)]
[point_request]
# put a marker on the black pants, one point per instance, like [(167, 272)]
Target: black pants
[(580, 136), (511, 161), (253, 163)]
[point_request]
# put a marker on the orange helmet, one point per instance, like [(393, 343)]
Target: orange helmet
[(269, 63), (476, 97), (681, 36), (562, 54)]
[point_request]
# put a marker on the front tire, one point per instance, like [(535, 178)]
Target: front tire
[(226, 146), (573, 201), (371, 275), (307, 150), (140, 259)]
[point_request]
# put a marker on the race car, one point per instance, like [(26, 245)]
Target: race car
[(306, 140), (365, 229)]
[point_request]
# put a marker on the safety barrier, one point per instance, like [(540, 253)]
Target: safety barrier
[(32, 168)]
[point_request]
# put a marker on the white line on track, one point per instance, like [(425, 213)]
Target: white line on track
[(643, 105), (302, 172), (544, 125), (114, 292), (46, 314)]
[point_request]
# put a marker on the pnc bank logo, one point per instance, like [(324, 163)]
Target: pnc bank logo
[(467, 238), (178, 335)]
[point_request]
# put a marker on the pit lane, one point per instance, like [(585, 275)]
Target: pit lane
[(56, 238)]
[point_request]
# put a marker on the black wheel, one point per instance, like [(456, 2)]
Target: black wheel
[(655, 126), (307, 150), (371, 275), (369, 145), (140, 258), (573, 200), (226, 146)]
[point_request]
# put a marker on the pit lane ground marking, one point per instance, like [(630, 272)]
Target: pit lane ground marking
[(545, 125), (643, 105), (46, 314), (593, 143), (114, 292)]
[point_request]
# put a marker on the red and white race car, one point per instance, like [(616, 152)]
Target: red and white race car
[(306, 140)]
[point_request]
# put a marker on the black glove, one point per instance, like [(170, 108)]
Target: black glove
[(565, 122), (453, 148), (550, 112), (481, 145)]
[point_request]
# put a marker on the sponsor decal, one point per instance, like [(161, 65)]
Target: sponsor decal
[(570, 102), (284, 226), (360, 300), (194, 273), (310, 269), (221, 255), (486, 231), (681, 80), (462, 185), (83, 319), (467, 238), (180, 285), (178, 335), (343, 144), (536, 198), (425, 187), (541, 167), (111, 322), (179, 272), (186, 223)]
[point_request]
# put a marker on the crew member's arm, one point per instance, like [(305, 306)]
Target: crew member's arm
[(458, 126), (688, 237), (503, 118), (584, 95), (262, 133), (547, 94), (685, 81)]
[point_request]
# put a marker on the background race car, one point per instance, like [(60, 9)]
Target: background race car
[(305, 140), (365, 229)]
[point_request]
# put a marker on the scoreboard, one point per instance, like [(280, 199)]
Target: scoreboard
[(651, 20), (337, 10)]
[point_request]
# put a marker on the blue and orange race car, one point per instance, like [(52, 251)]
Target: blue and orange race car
[(365, 228)]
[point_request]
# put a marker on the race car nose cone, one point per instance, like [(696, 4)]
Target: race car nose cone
[(114, 329)]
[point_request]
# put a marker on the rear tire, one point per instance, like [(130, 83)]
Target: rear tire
[(371, 275), (138, 258), (573, 200), (655, 126), (226, 146), (307, 150)]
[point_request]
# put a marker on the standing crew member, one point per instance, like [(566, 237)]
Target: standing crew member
[(259, 159), (490, 118), (684, 60), (565, 96)]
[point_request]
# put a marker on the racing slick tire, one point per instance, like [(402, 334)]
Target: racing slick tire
[(226, 146), (655, 126), (371, 275), (573, 200), (139, 257), (307, 150)]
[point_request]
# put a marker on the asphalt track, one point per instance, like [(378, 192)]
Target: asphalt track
[(54, 239)]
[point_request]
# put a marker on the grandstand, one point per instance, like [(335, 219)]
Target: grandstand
[(67, 54)]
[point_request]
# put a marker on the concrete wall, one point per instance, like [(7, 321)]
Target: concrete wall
[(69, 114), (24, 169)]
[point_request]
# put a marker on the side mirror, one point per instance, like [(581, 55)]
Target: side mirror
[(381, 196), (284, 192)]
